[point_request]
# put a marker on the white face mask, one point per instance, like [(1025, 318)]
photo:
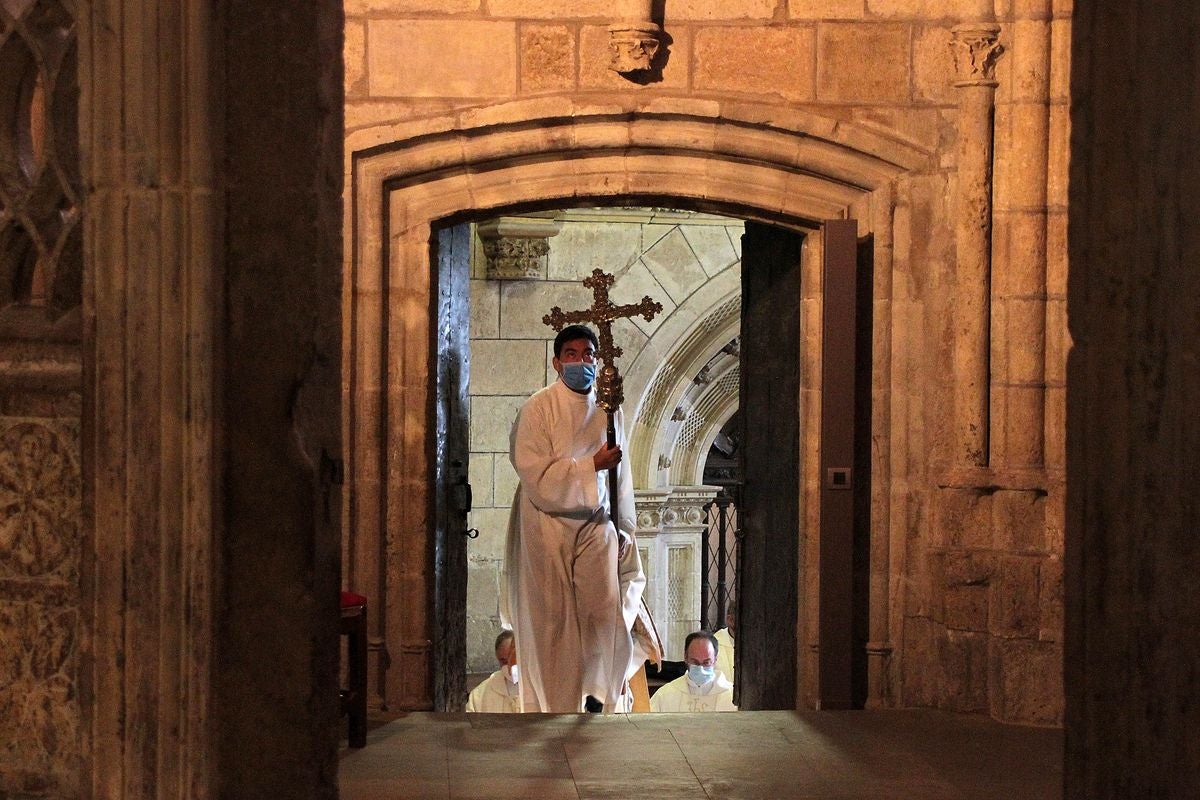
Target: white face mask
[(511, 673)]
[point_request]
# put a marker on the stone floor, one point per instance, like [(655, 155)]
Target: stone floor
[(775, 755)]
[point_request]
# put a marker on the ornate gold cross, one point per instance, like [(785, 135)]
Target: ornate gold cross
[(602, 314)]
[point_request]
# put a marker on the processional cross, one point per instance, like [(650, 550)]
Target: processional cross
[(609, 385)]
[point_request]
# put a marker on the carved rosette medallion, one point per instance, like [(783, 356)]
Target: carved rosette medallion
[(39, 502), (633, 47), (976, 48)]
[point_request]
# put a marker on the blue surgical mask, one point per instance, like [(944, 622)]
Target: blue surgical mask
[(579, 375), (700, 675)]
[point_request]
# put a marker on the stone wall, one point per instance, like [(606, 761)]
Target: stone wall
[(675, 257), (969, 239)]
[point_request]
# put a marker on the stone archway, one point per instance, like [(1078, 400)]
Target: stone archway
[(793, 168)]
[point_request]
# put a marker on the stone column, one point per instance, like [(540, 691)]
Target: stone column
[(1019, 286), (149, 110), (976, 48)]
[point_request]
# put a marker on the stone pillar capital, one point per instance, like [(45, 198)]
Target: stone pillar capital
[(976, 47), (516, 246), (633, 47)]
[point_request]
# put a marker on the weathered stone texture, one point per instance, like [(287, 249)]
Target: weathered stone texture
[(722, 9), (755, 60), (432, 58), (865, 63), (547, 58)]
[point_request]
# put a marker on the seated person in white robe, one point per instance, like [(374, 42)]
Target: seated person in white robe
[(499, 693), (725, 643), (703, 688)]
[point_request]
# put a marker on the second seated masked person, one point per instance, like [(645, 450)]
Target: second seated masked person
[(573, 581), (704, 687)]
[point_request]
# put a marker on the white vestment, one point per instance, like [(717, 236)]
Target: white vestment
[(684, 696), (725, 645), (495, 696), (569, 602)]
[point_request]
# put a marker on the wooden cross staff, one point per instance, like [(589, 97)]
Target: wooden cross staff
[(609, 385)]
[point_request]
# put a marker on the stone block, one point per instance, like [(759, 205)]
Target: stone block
[(1060, 60), (524, 303), (481, 643), (720, 9), (505, 479), (863, 63), (1056, 254), (824, 9), (713, 246), (1059, 155), (479, 473), (491, 421), (1014, 608), (506, 366), (967, 608), (551, 9), (580, 248), (756, 60), (441, 58), (1022, 413), (897, 8), (921, 678), (1026, 680), (1019, 520), (485, 309), (492, 524), (968, 568), (674, 266), (1025, 320), (355, 50), (1030, 78), (595, 56), (964, 668), (483, 590), (964, 517), (547, 58), (409, 6), (1051, 601), (933, 65), (632, 285)]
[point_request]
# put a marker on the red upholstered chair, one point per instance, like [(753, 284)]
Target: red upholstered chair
[(354, 698)]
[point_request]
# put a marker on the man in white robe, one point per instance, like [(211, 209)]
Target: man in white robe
[(703, 688), (499, 693), (573, 582), (725, 642)]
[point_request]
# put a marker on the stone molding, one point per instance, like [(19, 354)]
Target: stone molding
[(517, 247), (677, 509)]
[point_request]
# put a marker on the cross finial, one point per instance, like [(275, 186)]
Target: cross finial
[(602, 314)]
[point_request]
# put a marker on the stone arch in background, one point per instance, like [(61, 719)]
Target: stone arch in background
[(755, 162)]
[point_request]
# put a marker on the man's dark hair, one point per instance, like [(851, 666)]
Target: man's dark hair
[(505, 636), (570, 334), (691, 637)]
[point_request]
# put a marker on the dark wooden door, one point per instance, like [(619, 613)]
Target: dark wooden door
[(450, 445), (769, 461), (845, 467)]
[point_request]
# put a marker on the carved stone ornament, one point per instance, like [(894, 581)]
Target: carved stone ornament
[(516, 247), (976, 48), (633, 47)]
